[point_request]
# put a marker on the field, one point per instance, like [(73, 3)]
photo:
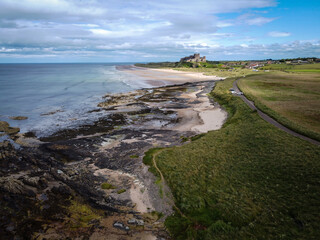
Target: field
[(248, 180), (291, 98), (313, 68)]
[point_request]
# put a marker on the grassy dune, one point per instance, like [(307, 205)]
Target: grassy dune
[(247, 180), (292, 99)]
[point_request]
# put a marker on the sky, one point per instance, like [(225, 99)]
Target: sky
[(151, 30)]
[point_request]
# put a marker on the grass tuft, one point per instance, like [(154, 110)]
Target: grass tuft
[(81, 215), (121, 191), (106, 185)]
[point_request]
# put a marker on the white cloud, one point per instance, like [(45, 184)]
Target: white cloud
[(87, 25), (262, 51), (259, 21), (279, 34), (251, 19), (6, 50), (223, 24), (222, 35), (99, 28)]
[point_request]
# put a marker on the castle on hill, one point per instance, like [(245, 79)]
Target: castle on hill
[(194, 58)]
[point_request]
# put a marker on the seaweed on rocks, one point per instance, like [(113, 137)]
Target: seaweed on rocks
[(101, 126)]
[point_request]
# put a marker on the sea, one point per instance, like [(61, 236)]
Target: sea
[(59, 96)]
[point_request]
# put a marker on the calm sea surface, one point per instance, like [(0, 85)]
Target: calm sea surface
[(67, 90)]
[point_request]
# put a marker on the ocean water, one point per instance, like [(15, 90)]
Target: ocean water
[(58, 96)]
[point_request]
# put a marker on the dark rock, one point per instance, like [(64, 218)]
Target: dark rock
[(15, 186), (18, 118), (5, 127), (140, 222), (62, 190), (121, 226), (94, 222), (43, 197), (10, 227), (29, 135), (132, 221), (31, 181), (136, 222)]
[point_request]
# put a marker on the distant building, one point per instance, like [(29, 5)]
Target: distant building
[(254, 65), (194, 58)]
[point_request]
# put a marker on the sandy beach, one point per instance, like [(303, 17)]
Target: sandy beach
[(162, 77), (201, 117)]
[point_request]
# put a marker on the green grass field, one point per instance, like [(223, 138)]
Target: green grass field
[(313, 68), (248, 180), (291, 98)]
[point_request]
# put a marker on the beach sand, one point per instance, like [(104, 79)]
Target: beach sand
[(201, 117), (162, 77)]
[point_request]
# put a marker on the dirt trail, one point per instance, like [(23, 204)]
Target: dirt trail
[(163, 181)]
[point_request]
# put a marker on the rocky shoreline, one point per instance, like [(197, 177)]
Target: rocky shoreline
[(90, 182)]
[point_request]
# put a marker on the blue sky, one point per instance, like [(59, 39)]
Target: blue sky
[(146, 30)]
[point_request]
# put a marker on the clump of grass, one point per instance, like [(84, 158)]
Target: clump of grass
[(134, 156), (147, 160), (106, 185), (184, 139), (121, 191), (81, 215), (157, 214), (148, 155), (159, 183), (197, 136)]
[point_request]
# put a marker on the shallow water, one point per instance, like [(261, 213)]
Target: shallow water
[(56, 96)]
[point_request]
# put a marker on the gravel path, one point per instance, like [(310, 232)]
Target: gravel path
[(271, 120)]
